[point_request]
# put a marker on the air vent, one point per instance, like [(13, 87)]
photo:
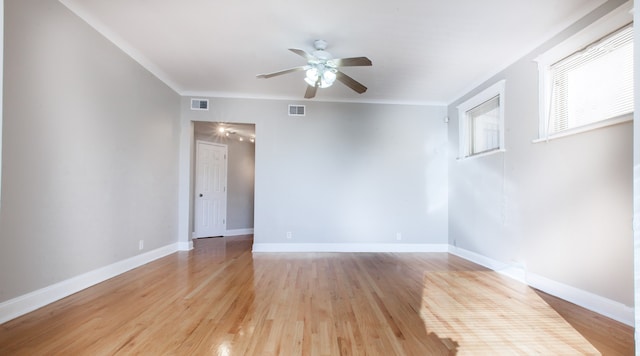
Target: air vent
[(296, 110), (199, 104)]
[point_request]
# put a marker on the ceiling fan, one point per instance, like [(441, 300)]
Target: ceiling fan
[(322, 69)]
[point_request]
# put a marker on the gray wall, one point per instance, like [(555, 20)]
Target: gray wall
[(561, 209), (345, 173), (240, 175), (90, 151), (636, 172)]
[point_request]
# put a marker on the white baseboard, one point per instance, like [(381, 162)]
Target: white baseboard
[(238, 232), (29, 302), (514, 271), (185, 246), (601, 305), (348, 247), (24, 304)]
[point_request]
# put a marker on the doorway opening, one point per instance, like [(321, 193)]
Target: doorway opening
[(232, 179)]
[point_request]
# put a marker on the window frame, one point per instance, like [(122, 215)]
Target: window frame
[(608, 24), (465, 149)]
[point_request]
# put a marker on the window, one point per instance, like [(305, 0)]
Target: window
[(591, 86), (482, 122)]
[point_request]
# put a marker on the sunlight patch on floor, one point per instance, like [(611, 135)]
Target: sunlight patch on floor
[(486, 313)]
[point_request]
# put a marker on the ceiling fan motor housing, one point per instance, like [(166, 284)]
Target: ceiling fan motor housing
[(320, 45), (321, 55)]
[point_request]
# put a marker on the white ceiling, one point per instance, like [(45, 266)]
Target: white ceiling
[(423, 51)]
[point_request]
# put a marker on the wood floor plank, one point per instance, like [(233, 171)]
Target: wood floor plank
[(490, 314), (222, 299)]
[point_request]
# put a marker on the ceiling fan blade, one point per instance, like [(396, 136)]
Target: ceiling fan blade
[(286, 71), (311, 92), (302, 53), (352, 62), (350, 82)]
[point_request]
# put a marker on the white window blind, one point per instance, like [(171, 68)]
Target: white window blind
[(593, 84), (484, 126)]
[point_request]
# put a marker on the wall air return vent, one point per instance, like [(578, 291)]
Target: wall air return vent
[(199, 104), (296, 110)]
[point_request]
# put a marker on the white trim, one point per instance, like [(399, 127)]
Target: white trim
[(29, 302), (608, 23), (496, 89), (24, 304), (481, 154), (509, 61), (238, 232), (125, 46), (357, 100), (614, 20), (585, 128), (185, 246), (348, 247), (601, 305), (515, 271)]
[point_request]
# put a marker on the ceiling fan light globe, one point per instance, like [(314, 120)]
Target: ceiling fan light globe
[(312, 76), (324, 85), (329, 76), (312, 73)]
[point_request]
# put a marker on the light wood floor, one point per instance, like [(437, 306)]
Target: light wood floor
[(221, 299)]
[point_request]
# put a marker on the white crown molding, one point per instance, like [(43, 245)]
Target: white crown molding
[(29, 302), (514, 58), (119, 42), (228, 95)]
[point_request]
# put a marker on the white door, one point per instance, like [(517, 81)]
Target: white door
[(211, 190)]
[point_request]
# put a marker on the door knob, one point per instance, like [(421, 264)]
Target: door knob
[(200, 195)]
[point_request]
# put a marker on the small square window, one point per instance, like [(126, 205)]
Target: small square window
[(482, 122)]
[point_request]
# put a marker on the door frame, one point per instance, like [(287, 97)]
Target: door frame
[(186, 175)]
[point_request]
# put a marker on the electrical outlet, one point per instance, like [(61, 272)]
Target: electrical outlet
[(398, 236), (289, 234), (140, 244)]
